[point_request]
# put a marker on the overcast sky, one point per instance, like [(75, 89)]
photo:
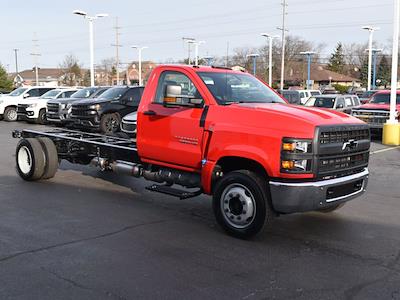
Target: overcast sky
[(161, 24)]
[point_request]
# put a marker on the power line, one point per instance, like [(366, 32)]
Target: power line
[(117, 45)]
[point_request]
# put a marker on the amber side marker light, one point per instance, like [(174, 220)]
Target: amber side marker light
[(289, 146)]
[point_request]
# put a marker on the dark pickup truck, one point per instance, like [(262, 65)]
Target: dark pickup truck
[(104, 114), (59, 110)]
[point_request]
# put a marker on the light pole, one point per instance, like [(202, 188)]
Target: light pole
[(196, 49), (374, 54), (254, 56), (371, 30), (140, 61), (91, 42), (270, 38), (208, 59), (391, 130), (309, 55)]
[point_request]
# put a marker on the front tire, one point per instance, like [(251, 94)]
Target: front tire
[(240, 203), (109, 123), (10, 114), (42, 119)]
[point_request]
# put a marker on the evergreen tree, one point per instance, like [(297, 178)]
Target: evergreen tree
[(336, 62), (383, 72), (5, 83), (364, 72)]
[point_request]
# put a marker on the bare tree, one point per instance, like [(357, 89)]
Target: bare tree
[(71, 70)]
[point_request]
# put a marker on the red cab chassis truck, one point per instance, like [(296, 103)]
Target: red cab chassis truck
[(224, 133)]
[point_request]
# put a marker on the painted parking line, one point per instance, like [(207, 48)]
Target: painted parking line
[(384, 150)]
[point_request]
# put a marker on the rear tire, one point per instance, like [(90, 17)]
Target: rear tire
[(109, 123), (10, 114), (51, 155), (42, 117), (30, 159), (241, 204), (331, 208)]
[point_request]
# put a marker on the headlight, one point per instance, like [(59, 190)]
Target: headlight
[(296, 155), (32, 105), (97, 106)]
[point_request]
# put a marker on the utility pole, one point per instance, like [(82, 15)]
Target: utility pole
[(283, 29), (227, 54), (374, 59), (35, 55), (16, 60), (270, 38), (117, 46)]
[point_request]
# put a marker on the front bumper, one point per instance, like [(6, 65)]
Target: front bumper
[(92, 121), (308, 196)]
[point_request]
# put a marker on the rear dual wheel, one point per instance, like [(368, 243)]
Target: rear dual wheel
[(36, 158)]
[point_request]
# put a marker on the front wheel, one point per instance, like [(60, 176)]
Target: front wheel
[(109, 123), (42, 119), (10, 114), (240, 203)]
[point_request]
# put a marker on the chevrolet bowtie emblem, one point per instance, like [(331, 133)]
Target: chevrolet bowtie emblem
[(351, 144)]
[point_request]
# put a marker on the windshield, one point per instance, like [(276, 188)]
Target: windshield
[(84, 93), (50, 94), (383, 99), (368, 94), (228, 88), (17, 92), (113, 93), (325, 102)]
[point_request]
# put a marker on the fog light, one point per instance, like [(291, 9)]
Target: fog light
[(288, 164)]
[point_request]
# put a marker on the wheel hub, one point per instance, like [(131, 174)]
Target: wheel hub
[(238, 205), (24, 160)]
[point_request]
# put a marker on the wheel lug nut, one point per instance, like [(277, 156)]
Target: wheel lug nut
[(231, 217), (239, 218), (226, 201), (243, 202), (244, 212), (226, 210)]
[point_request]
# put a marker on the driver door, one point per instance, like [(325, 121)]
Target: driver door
[(172, 135)]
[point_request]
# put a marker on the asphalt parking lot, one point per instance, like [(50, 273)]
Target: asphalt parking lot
[(89, 235)]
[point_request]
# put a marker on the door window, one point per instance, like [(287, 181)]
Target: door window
[(133, 96), (176, 78), (348, 101), (340, 103), (301, 95), (34, 93)]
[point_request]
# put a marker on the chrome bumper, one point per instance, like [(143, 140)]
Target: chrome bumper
[(309, 196)]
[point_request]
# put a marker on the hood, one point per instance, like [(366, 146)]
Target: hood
[(377, 106), (92, 101), (132, 117), (31, 100), (275, 119), (65, 100)]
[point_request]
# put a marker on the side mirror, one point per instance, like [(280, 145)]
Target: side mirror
[(340, 105), (26, 95), (172, 93), (173, 97)]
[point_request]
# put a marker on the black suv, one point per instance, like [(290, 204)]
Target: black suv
[(59, 110), (104, 113)]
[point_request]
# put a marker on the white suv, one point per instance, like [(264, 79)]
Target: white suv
[(9, 103), (34, 109)]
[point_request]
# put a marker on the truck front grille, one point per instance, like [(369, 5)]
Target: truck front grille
[(53, 107), (82, 111), (342, 150), (372, 117), (21, 108), (128, 127)]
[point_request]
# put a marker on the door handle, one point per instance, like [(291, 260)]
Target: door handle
[(150, 113)]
